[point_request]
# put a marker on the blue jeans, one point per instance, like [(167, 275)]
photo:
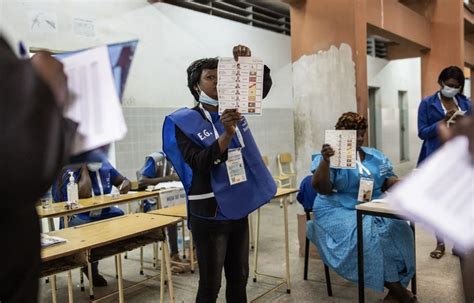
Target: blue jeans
[(221, 244)]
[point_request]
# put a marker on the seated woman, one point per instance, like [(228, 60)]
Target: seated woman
[(93, 179), (388, 243)]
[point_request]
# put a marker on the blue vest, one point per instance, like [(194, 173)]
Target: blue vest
[(236, 201)]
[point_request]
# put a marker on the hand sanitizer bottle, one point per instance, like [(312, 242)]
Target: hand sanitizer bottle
[(72, 190)]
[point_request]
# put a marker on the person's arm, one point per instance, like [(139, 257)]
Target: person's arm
[(84, 184), (425, 129), (464, 127), (389, 182), (35, 137), (321, 180), (119, 181)]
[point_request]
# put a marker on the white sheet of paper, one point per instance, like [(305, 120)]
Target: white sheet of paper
[(344, 143), (440, 193), (240, 85), (96, 107)]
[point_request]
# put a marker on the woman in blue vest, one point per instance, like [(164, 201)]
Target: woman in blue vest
[(93, 179), (438, 109), (388, 243), (205, 148)]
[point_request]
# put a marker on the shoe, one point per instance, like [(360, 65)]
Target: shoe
[(97, 279)]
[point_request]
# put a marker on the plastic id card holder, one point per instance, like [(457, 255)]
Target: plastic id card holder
[(235, 166), (366, 187)]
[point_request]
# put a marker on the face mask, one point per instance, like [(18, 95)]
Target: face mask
[(204, 98), (449, 92)]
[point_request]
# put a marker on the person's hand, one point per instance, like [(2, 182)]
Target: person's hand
[(327, 152), (241, 51), (125, 186), (52, 73), (449, 115), (230, 118), (464, 127)]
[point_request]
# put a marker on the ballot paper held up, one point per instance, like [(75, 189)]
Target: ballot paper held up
[(344, 144), (240, 85), (96, 107), (440, 194)]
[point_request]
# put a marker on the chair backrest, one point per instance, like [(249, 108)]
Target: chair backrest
[(285, 160), (265, 160)]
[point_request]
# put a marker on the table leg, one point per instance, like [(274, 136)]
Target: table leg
[(69, 287), (413, 280), (191, 251), (53, 289), (81, 277), (287, 249), (257, 237), (183, 234), (162, 276), (166, 255), (65, 222), (89, 273), (360, 255), (51, 224), (252, 245), (120, 278), (155, 255), (141, 260)]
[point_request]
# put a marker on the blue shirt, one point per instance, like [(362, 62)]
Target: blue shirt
[(108, 174)]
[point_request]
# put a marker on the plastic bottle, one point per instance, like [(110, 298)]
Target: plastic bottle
[(47, 199), (72, 189)]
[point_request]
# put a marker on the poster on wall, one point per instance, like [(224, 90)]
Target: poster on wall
[(344, 144), (240, 85)]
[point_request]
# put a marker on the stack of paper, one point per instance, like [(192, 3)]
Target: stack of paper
[(47, 240), (165, 185)]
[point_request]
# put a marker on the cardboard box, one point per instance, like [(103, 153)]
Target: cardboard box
[(313, 252)]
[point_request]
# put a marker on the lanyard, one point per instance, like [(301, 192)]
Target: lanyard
[(216, 133), (361, 166), (442, 105)]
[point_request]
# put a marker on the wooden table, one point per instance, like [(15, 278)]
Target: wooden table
[(59, 210), (179, 211), (378, 209), (84, 239), (284, 194)]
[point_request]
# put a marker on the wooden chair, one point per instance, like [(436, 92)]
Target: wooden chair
[(281, 181), (285, 168)]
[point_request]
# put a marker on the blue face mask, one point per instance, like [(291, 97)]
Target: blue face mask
[(204, 98)]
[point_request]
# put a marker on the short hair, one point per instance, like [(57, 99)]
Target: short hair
[(195, 70), (351, 121), (452, 72)]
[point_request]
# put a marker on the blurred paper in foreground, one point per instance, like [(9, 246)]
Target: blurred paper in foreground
[(440, 194)]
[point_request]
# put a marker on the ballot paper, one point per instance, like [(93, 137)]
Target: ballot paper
[(440, 194), (165, 185), (96, 106), (47, 240), (240, 85), (344, 144)]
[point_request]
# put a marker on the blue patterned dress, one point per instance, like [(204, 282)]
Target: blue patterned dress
[(388, 243)]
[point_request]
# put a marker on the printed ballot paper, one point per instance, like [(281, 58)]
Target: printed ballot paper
[(344, 144), (440, 194), (240, 85), (96, 79)]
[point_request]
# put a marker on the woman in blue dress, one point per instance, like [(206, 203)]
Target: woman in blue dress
[(388, 243)]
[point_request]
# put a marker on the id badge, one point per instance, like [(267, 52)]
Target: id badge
[(235, 166), (366, 188)]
